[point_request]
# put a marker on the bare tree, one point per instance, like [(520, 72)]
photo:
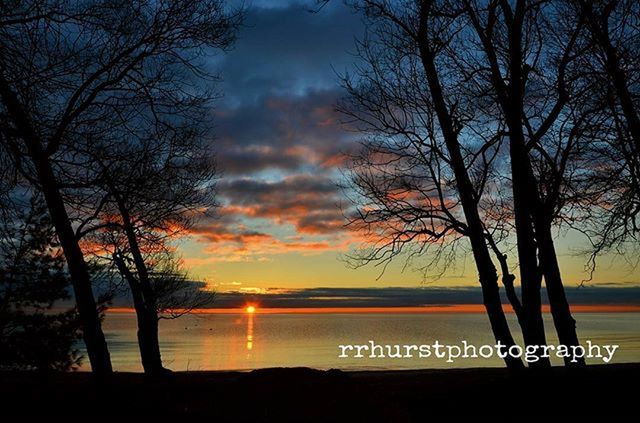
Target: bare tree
[(146, 193), (526, 54), (493, 71), (170, 294), (607, 104), (68, 68), (425, 167)]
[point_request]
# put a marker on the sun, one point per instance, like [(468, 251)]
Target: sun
[(250, 309)]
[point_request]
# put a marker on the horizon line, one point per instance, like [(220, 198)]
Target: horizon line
[(430, 309)]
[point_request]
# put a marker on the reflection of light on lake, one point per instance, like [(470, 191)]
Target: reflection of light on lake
[(249, 334)]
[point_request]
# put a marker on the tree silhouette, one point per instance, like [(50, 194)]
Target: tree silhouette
[(607, 104), (526, 53), (146, 192), (32, 280), (70, 71), (418, 180), (472, 122)]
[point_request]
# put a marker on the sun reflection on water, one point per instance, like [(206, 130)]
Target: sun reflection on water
[(249, 334)]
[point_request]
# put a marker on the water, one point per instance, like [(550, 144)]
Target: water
[(243, 342)]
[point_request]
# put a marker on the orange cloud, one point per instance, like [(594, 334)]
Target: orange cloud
[(236, 243)]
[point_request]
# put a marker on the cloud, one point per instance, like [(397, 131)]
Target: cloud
[(279, 141), (280, 87), (237, 159), (230, 240), (310, 203), (282, 132), (404, 297), (287, 50)]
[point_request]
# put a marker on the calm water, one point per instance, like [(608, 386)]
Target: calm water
[(241, 341)]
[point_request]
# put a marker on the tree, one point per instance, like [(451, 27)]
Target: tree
[(68, 68), (609, 122), (494, 71), (171, 295), (32, 281), (148, 191), (425, 167), (524, 66)]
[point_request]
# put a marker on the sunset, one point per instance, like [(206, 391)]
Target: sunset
[(319, 210)]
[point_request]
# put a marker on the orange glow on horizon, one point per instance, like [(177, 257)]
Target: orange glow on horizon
[(453, 308)]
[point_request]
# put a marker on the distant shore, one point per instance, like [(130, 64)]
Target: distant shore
[(427, 309), (303, 394)]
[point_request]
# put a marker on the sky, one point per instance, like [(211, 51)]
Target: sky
[(281, 148)]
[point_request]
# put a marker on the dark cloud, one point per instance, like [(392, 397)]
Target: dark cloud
[(288, 51), (286, 133), (235, 159), (247, 191), (280, 88), (408, 297), (310, 203), (600, 295), (217, 233)]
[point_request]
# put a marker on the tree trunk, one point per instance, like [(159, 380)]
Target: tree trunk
[(150, 314), (530, 275), (563, 321), (493, 304), (488, 276), (149, 351), (529, 213), (81, 280), (91, 326), (523, 185), (508, 282)]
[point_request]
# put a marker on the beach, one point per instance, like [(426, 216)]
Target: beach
[(303, 394)]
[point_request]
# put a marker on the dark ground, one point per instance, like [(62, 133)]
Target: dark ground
[(303, 395)]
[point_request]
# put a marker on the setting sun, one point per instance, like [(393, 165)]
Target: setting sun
[(250, 309)]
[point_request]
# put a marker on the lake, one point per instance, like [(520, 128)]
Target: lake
[(243, 341)]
